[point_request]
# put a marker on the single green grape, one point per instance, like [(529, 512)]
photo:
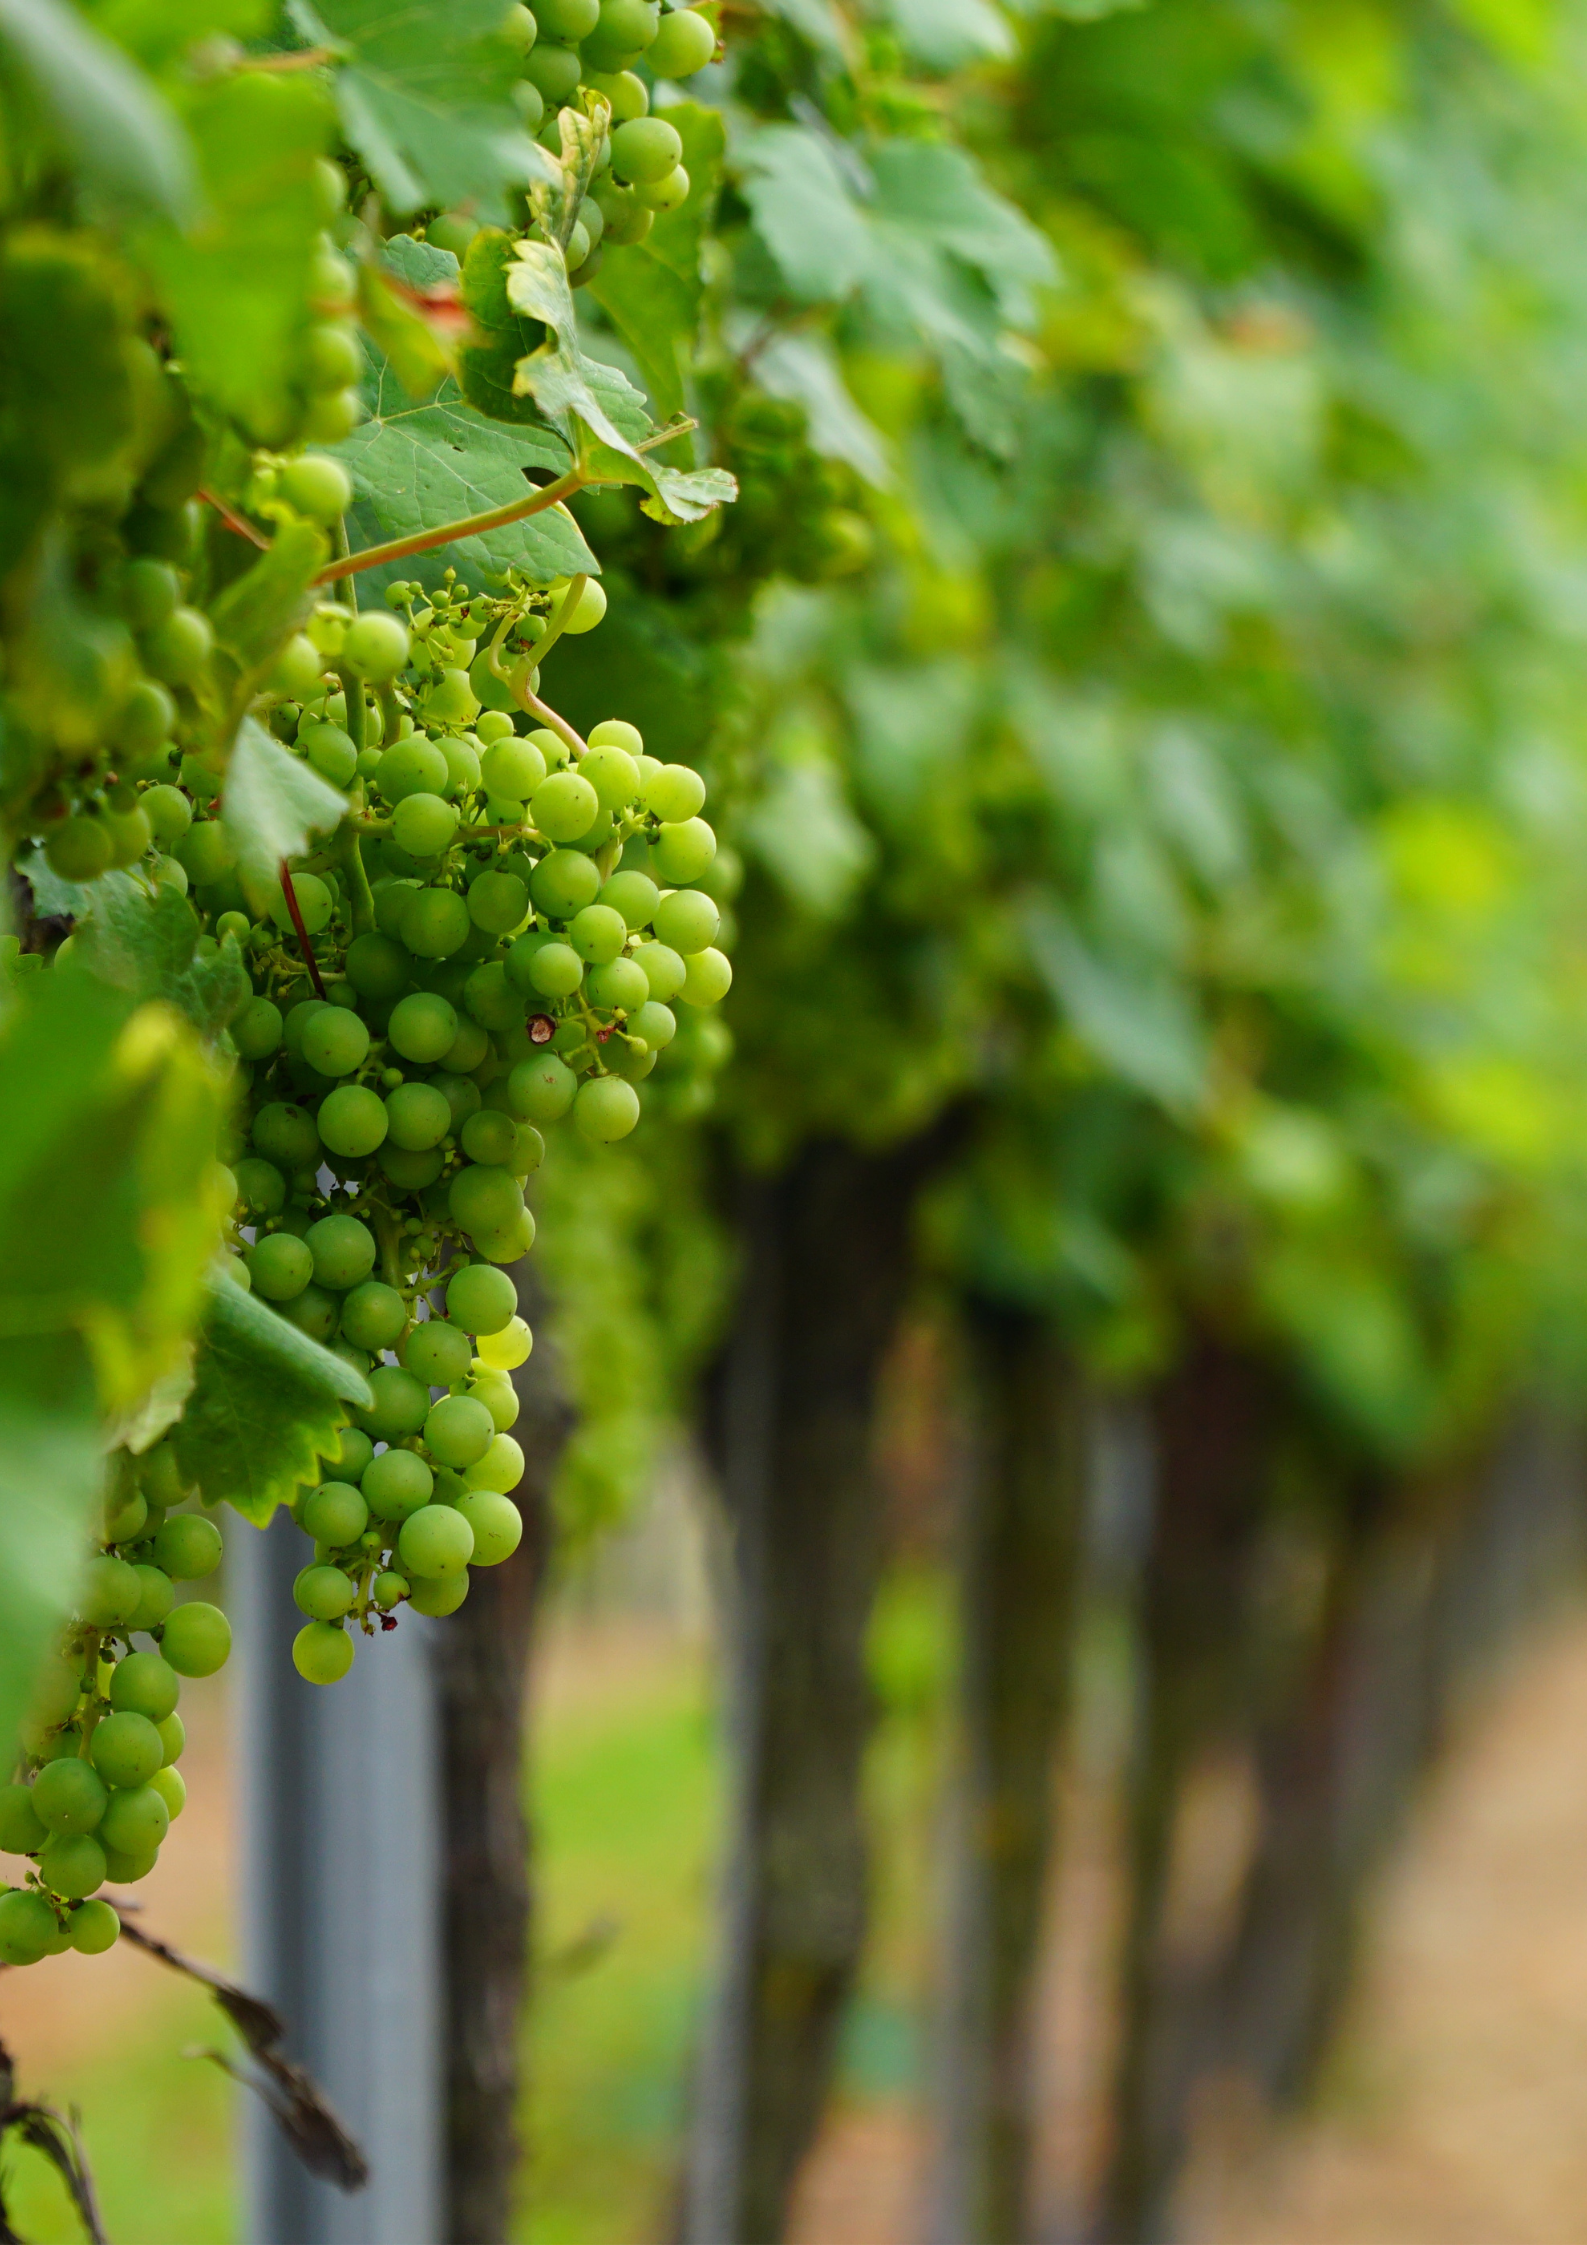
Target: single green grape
[(481, 1299), (316, 486), (197, 1639), (372, 1317), (335, 1041), (634, 895), (412, 1171), (497, 902), (27, 1926), (377, 967), (418, 1116), (563, 883), (645, 149), (684, 44), (256, 1030), (156, 1596), (335, 1513), (324, 1593), (490, 1136), (423, 825), (564, 806), (285, 1134), (499, 1397), (343, 1251), (173, 1739), (22, 1830), (95, 1928), (435, 1541), (484, 1199), (171, 1786), (467, 1049), (422, 1026), (606, 1108), (681, 851), (135, 1821), (188, 1546), (500, 1467), (401, 1404), (414, 766), (708, 979), (322, 1653), (621, 986), (331, 751), (654, 1024), (397, 1483), (145, 1684), (314, 900), (109, 1593), (375, 646), (688, 920), (674, 793), (541, 1090), (126, 1750), (72, 1865), (352, 1120), (438, 1352), (457, 1431), (439, 1595), (512, 769)]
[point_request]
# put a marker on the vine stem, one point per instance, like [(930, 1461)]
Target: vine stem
[(291, 895)]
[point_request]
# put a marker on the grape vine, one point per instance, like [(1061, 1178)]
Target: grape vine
[(396, 914)]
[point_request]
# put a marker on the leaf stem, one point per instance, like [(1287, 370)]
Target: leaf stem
[(548, 716), (471, 526), (291, 895)]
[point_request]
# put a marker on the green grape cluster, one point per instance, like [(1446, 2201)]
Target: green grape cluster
[(596, 49), (97, 1784), (496, 938)]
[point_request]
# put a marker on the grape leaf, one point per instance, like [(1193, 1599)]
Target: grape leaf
[(943, 34), (267, 1404), (272, 803), (417, 467), (118, 133), (651, 290), (145, 944), (108, 1117), (51, 1475), (568, 388), (238, 281), (425, 97), (803, 369)]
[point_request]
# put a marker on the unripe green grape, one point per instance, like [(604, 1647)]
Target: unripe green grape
[(130, 835), (567, 20), (492, 727), (352, 1120), (439, 1595), (285, 1134), (634, 895), (674, 793), (645, 150), (501, 1466), (125, 1512), (147, 592), (606, 1109), (627, 219), (316, 486), (298, 670), (377, 967), (314, 901), (324, 1593), (495, 1523), (353, 1447), (424, 824), (708, 979), (564, 882), (331, 752), (72, 1865), (491, 999), (343, 1250), (497, 902), (613, 774), (400, 1406), (553, 71), (126, 1870), (687, 920), (462, 1096), (143, 725), (684, 44), (146, 1684), (197, 1639), (619, 986), (654, 1024), (422, 1026), (171, 1786), (541, 1090), (389, 1589), (452, 701), (664, 970), (512, 769), (376, 647), (27, 1926), (681, 851), (335, 1513), (94, 1928), (280, 1266), (70, 1795), (22, 1831), (490, 1137), (439, 1353), (627, 93), (414, 766), (136, 1819), (529, 102), (467, 1049), (598, 934), (79, 849), (507, 1346), (126, 1750), (156, 1596), (435, 1542), (165, 873), (108, 1595), (588, 611), (530, 1150), (499, 1397), (297, 1020), (256, 1031), (335, 1041), (410, 1171), (234, 924), (372, 1316), (483, 1199), (419, 1117), (555, 970), (462, 765), (666, 194), (458, 1430), (480, 1300), (435, 923), (178, 649), (577, 251), (398, 1483), (170, 814), (322, 1653), (564, 806)]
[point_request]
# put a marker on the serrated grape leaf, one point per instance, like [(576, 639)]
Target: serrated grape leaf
[(802, 369), (51, 1476), (425, 97), (107, 118), (651, 290), (577, 395), (51, 895), (411, 344), (257, 612), (930, 193), (943, 34), (418, 467), (267, 1404), (1144, 1028), (145, 942), (108, 1118), (805, 211), (272, 804), (237, 283)]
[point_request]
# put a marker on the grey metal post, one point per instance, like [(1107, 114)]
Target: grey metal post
[(341, 1883)]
